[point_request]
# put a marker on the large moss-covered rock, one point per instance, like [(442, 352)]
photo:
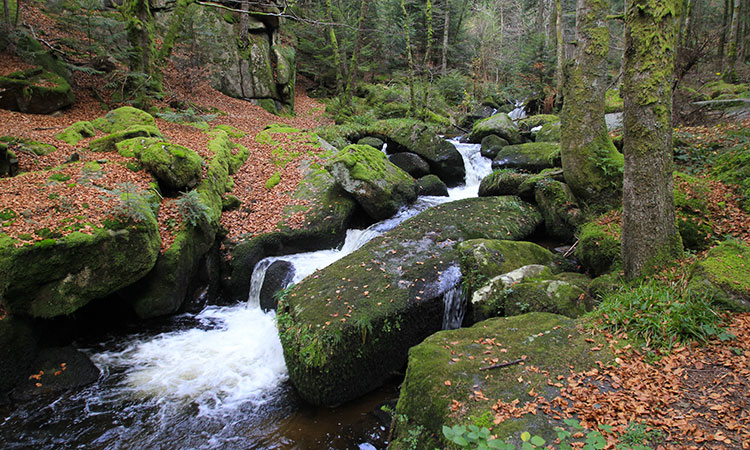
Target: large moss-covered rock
[(599, 247), (55, 277), (177, 168), (562, 215), (378, 185), (537, 120), (18, 348), (410, 163), (504, 182), (121, 119), (35, 91), (77, 132), (347, 327), (491, 146), (724, 276), (372, 142), (691, 199), (484, 259), (500, 125), (416, 137), (532, 288), (550, 132), (165, 288), (432, 185), (445, 367), (531, 157)]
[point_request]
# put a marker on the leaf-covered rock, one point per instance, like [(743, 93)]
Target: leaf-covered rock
[(35, 91)]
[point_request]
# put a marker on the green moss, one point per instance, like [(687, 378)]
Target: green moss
[(273, 181), (76, 132), (691, 197), (527, 123), (176, 167), (503, 182), (133, 147), (35, 91), (532, 156), (724, 275), (500, 124), (733, 166), (28, 146), (612, 101), (123, 118), (109, 143)]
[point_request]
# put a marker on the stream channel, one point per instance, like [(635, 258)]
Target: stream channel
[(213, 380)]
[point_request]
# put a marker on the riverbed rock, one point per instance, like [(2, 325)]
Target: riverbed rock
[(55, 370), (18, 349), (55, 277), (531, 157), (724, 276), (35, 91), (432, 185), (346, 328), (445, 367), (537, 120), (550, 132), (505, 182), (278, 276), (411, 164), (491, 146), (378, 185), (165, 288), (500, 124), (373, 142)]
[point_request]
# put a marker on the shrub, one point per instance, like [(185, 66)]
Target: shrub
[(193, 210)]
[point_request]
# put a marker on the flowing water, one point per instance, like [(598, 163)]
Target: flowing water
[(217, 380)]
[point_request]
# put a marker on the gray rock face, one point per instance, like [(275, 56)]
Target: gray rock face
[(372, 142), (411, 164), (278, 276)]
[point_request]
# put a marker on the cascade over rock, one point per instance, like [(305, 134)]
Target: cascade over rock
[(345, 329)]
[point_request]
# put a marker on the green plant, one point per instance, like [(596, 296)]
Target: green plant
[(193, 210), (637, 435), (660, 316), (131, 205), (60, 177)]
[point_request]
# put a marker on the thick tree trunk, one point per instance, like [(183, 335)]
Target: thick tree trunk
[(6, 12), (560, 52), (723, 35), (591, 163), (649, 234), (730, 73), (142, 54), (446, 29), (244, 23)]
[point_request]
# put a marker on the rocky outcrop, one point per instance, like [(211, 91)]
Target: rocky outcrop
[(378, 185), (446, 368), (35, 91), (347, 328), (18, 348)]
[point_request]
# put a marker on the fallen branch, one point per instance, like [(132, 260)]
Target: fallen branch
[(501, 365), (571, 249)]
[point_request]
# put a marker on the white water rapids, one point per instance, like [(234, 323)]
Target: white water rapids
[(225, 369)]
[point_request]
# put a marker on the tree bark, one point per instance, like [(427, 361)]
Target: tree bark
[(723, 35), (244, 24), (446, 29), (140, 32), (591, 163), (409, 57), (730, 73), (6, 12), (560, 52), (334, 47), (649, 234), (351, 75)]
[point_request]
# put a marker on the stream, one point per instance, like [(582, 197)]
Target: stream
[(214, 380)]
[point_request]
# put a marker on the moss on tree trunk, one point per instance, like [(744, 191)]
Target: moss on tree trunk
[(592, 165), (649, 234)]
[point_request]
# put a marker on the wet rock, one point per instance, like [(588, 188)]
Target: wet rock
[(278, 276), (531, 157), (372, 142), (491, 146), (500, 125), (56, 370), (432, 185), (411, 164)]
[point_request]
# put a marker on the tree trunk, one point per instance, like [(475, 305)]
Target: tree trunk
[(174, 28), (446, 28), (649, 234), (730, 73), (723, 35), (560, 52), (591, 163), (685, 29), (540, 17), (409, 57), (140, 32), (351, 75), (6, 12), (335, 47)]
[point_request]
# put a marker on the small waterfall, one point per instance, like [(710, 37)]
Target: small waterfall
[(256, 282), (519, 112), (455, 308)]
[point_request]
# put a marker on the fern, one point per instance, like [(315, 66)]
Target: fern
[(193, 210)]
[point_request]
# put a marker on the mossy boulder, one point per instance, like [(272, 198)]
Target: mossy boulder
[(599, 247), (531, 288), (347, 327), (484, 259), (558, 205), (691, 197), (18, 348), (500, 125), (724, 276), (378, 185), (17, 144), (410, 163), (177, 168), (717, 89), (550, 132), (491, 145), (432, 185), (504, 182), (56, 277), (165, 288), (77, 132), (35, 91), (446, 367), (123, 118), (109, 142), (531, 157), (372, 142), (537, 120)]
